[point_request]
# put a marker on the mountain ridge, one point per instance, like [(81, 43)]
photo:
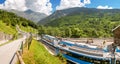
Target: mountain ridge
[(75, 11), (30, 15)]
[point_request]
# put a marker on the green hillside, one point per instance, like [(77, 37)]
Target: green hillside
[(83, 22), (9, 20), (6, 29)]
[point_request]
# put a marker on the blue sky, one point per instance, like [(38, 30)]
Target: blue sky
[(2, 1), (52, 5), (94, 3), (111, 3), (115, 4), (55, 3)]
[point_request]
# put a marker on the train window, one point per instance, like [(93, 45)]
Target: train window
[(92, 60)]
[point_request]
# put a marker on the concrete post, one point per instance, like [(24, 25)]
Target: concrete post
[(57, 50)]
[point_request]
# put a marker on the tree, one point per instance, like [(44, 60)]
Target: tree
[(68, 32), (76, 32)]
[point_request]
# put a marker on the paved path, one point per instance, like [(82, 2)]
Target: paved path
[(7, 51)]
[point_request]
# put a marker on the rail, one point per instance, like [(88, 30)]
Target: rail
[(17, 56), (20, 58)]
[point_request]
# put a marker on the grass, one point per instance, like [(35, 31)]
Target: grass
[(10, 30), (7, 29), (39, 55)]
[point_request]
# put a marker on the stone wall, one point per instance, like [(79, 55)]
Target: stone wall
[(4, 36)]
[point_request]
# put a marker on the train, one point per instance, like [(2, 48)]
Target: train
[(77, 52)]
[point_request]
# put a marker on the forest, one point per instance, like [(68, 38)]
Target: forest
[(12, 19), (83, 24)]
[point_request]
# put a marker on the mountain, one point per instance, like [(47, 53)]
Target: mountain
[(77, 11), (30, 15), (82, 22)]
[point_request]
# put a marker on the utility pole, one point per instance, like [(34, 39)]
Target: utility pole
[(113, 59)]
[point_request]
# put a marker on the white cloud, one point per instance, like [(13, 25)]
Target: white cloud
[(42, 6), (104, 7), (87, 2), (14, 4), (72, 3)]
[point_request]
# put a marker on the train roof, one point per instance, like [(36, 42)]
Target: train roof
[(69, 42), (84, 44), (49, 36)]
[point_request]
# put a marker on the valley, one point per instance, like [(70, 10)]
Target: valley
[(70, 25)]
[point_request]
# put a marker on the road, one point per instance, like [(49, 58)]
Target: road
[(8, 51)]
